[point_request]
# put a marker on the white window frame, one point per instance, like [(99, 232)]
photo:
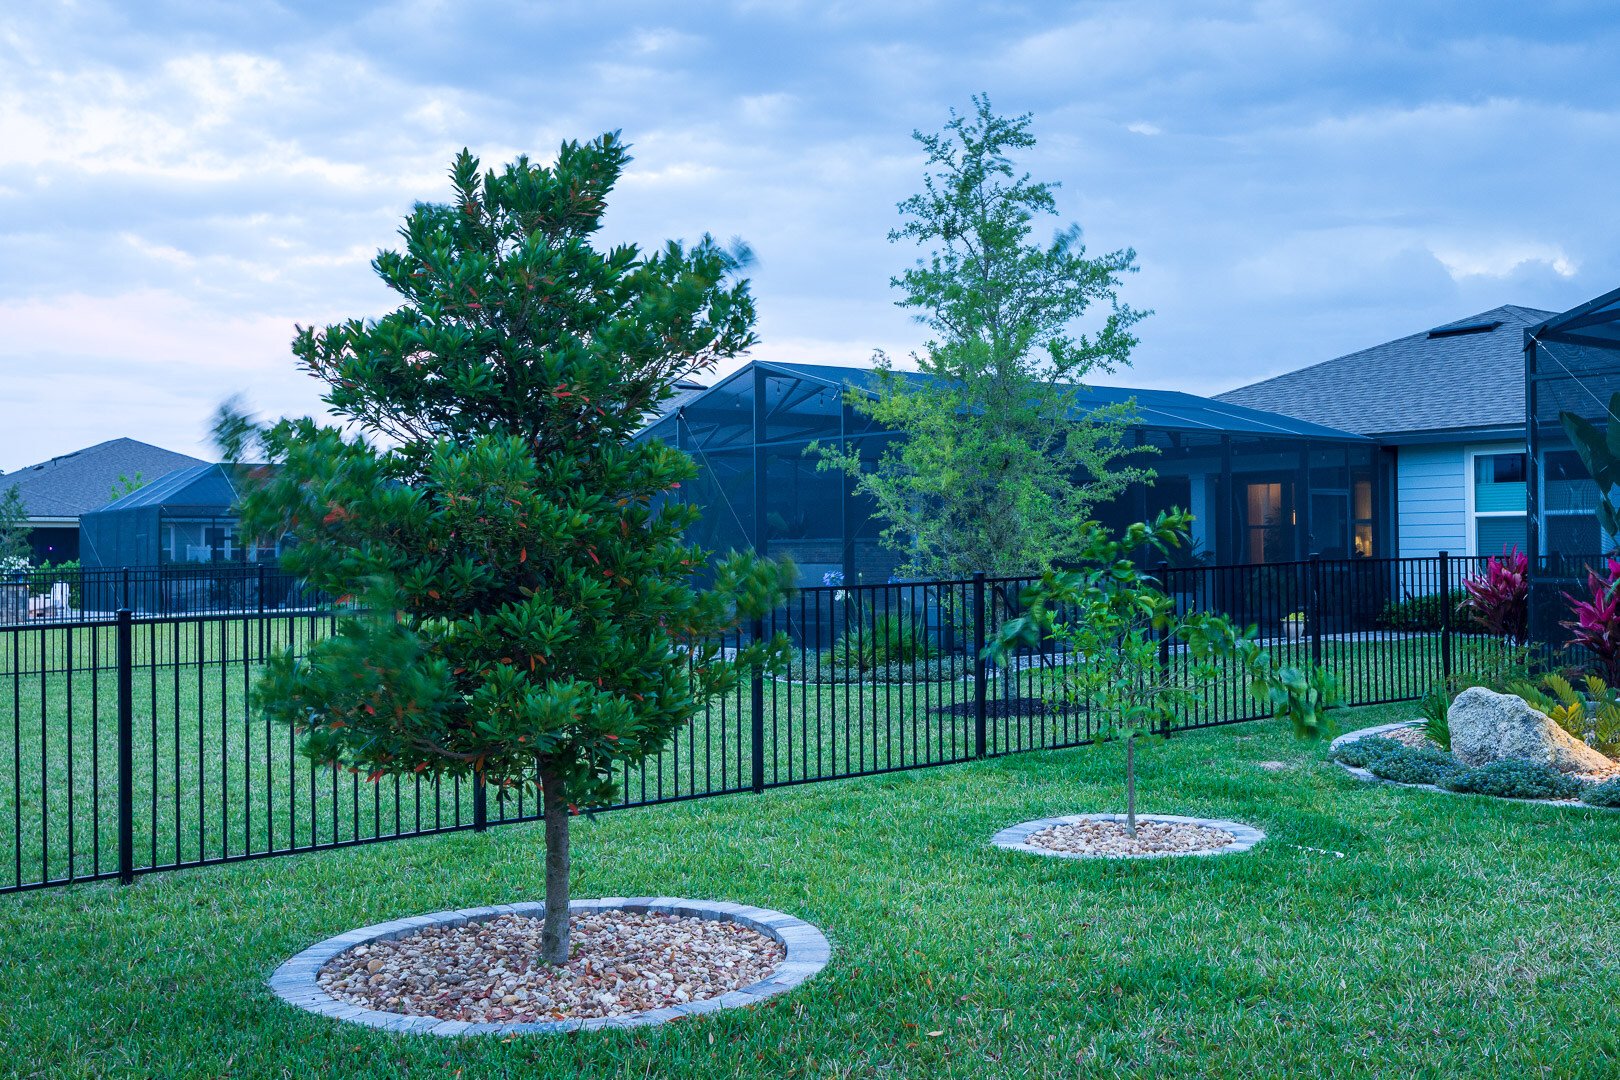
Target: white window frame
[(1471, 515)]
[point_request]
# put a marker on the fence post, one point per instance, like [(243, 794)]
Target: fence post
[(264, 642), (980, 675), (126, 747), (480, 802), (1162, 571), (756, 712), (124, 600), (1313, 608), (1445, 617)]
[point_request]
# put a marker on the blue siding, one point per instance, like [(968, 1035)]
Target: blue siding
[(1431, 501)]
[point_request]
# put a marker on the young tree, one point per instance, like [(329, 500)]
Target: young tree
[(1004, 456), (15, 551), (527, 612), (1110, 618)]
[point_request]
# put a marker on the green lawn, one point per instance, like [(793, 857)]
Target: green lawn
[(1457, 936)]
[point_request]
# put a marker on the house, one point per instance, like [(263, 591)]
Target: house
[(188, 517), (1446, 406), (1265, 487), (58, 492)]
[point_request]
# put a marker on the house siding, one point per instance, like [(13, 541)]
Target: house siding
[(1432, 501)]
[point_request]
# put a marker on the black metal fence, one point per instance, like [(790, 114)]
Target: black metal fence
[(127, 743), (79, 594)]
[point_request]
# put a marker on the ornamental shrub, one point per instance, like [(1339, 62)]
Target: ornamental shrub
[(1514, 780), (1604, 794), (1421, 613), (1414, 765), (892, 638), (1358, 753)]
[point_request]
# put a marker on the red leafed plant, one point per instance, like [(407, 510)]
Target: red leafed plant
[(1499, 599), (1596, 625)]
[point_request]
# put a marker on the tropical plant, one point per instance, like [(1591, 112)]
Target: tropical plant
[(1436, 707), (1596, 623), (1499, 598), (527, 616), (1004, 455), (888, 638), (1591, 714), (1599, 451), (1111, 618)]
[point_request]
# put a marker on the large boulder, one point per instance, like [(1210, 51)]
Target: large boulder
[(1487, 726)]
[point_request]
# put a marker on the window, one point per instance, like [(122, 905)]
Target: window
[(1569, 501), (1498, 499)]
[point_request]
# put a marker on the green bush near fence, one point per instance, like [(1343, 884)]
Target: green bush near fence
[(1423, 613)]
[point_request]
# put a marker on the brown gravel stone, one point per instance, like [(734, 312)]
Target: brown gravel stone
[(487, 972), (1110, 838)]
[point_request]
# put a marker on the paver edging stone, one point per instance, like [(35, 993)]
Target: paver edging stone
[(296, 980)]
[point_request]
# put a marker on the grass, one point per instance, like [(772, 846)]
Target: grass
[(1455, 937)]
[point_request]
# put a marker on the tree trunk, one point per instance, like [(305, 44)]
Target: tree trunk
[(554, 936), (1130, 786)]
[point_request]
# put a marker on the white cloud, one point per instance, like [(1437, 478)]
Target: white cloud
[(1142, 127), (1501, 259)]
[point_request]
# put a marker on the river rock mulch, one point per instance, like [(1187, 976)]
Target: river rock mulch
[(486, 972), (1111, 838)]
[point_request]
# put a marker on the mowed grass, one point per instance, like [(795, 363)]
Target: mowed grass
[(213, 780), (1377, 931)]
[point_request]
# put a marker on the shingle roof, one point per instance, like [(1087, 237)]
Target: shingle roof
[(1165, 409), (1450, 377), (71, 484)]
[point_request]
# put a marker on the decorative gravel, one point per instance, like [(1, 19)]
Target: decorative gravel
[(1411, 736), (1103, 836), (1112, 838), (487, 972)]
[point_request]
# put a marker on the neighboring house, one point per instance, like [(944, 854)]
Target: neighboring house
[(56, 493), (1447, 407), (187, 517), (1265, 487)]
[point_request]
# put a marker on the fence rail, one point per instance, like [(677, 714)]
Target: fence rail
[(127, 744)]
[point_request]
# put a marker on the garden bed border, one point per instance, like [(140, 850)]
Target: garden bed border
[(297, 980), (1016, 837)]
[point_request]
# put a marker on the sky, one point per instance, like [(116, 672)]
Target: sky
[(182, 183)]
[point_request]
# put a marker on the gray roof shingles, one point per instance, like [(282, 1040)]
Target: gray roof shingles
[(72, 484), (1413, 384)]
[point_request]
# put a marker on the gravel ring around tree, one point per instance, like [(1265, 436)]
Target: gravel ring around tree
[(1368, 776), (807, 952), (1017, 837)]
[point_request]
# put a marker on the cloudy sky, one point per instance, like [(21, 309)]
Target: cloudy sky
[(181, 182)]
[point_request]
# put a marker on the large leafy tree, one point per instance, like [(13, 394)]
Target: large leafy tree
[(526, 612), (1005, 456)]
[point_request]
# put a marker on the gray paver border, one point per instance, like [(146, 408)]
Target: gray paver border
[(808, 951), (1016, 837)]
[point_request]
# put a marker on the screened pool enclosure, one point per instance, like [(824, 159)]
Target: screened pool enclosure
[(1265, 488), (1572, 364)]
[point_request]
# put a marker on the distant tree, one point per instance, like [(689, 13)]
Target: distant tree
[(15, 550), (529, 613), (1005, 456), (127, 484)]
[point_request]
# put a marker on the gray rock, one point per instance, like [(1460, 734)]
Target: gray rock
[(1487, 726)]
